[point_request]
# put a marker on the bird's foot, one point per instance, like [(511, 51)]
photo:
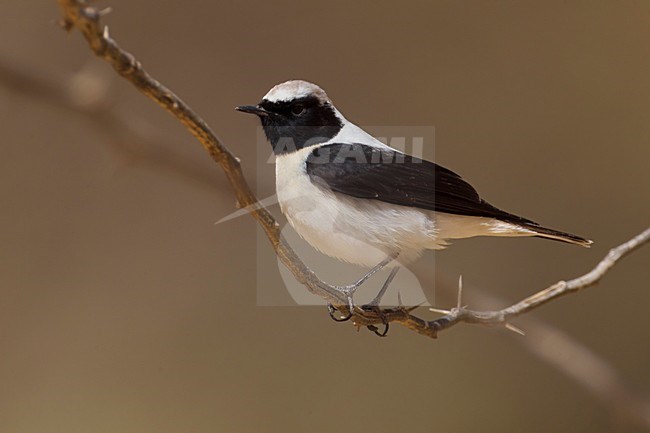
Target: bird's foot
[(348, 292), (373, 306), (368, 308)]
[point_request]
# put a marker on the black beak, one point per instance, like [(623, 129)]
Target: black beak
[(252, 109)]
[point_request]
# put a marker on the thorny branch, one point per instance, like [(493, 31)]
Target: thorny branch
[(79, 14)]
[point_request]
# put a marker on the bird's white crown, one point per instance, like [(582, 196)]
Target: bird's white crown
[(294, 89)]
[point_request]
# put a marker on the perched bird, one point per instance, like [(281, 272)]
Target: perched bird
[(358, 200)]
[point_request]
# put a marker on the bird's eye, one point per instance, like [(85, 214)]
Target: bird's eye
[(297, 110)]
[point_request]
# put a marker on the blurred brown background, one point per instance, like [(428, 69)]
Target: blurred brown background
[(123, 308)]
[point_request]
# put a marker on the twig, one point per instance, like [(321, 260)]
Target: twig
[(79, 14), (540, 298)]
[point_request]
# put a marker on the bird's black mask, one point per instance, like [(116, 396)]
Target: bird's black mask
[(295, 124)]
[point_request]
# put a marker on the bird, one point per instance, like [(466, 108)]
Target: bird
[(354, 198)]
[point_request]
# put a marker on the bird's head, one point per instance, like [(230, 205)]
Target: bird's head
[(296, 114)]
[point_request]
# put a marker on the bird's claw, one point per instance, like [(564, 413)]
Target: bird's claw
[(332, 312), (374, 329), (348, 292), (374, 308)]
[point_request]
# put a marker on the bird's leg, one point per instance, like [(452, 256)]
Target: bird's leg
[(373, 271), (375, 302), (349, 290)]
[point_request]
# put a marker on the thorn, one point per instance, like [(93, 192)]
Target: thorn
[(106, 35), (414, 307), (439, 310), (513, 328), (399, 299), (459, 302)]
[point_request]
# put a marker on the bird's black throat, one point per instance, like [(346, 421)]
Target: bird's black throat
[(298, 123)]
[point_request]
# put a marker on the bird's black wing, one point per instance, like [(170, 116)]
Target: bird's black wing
[(367, 172)]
